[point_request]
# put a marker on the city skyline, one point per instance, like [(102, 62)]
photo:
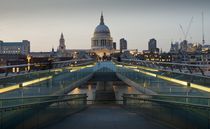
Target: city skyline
[(42, 22)]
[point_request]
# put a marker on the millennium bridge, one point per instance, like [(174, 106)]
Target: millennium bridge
[(89, 94)]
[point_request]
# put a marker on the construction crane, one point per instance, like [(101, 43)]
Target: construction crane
[(203, 38), (182, 30), (185, 34)]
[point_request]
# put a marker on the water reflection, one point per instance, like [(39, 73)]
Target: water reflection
[(86, 89), (119, 89), (124, 89), (76, 91)]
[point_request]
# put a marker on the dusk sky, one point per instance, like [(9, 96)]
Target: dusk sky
[(42, 21)]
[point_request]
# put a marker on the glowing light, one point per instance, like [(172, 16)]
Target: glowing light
[(173, 80), (2, 90), (36, 81), (89, 87), (130, 90), (136, 70), (149, 69), (24, 84), (200, 87), (81, 67), (13, 70), (119, 65), (163, 77), (18, 70), (133, 67), (184, 83), (57, 70), (76, 91), (28, 61), (148, 73), (192, 85)]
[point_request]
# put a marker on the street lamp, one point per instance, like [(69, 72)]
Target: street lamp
[(28, 62)]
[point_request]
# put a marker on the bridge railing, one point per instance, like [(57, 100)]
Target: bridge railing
[(53, 79), (14, 70), (190, 81), (38, 114), (12, 78), (15, 101), (184, 112), (200, 69), (148, 84)]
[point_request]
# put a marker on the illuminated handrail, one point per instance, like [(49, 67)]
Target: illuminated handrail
[(198, 86), (164, 70), (157, 62), (186, 102), (178, 66)]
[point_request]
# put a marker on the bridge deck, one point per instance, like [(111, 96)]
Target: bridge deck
[(106, 117)]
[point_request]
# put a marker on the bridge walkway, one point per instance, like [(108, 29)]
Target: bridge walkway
[(107, 117)]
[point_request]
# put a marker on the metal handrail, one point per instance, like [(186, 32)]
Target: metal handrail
[(105, 100), (178, 96), (31, 72), (170, 102), (34, 97), (68, 61), (157, 62), (202, 76), (58, 62), (13, 107)]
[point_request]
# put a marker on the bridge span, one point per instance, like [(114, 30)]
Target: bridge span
[(103, 95)]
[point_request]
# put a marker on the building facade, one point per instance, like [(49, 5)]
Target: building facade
[(22, 48), (102, 42)]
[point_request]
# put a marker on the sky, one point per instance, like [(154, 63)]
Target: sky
[(42, 21)]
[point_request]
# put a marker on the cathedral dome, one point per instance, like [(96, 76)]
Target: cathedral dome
[(101, 38), (102, 28)]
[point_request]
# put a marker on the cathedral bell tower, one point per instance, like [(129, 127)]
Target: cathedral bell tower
[(62, 46)]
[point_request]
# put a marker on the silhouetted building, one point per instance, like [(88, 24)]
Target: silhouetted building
[(174, 47), (183, 46), (152, 45), (12, 59), (62, 46), (114, 45), (123, 44), (22, 48)]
